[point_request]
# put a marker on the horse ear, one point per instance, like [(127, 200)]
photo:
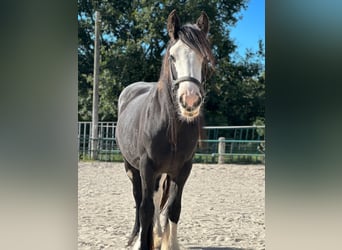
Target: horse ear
[(173, 25), (203, 22)]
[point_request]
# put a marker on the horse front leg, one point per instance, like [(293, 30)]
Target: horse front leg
[(170, 241), (158, 197), (146, 212)]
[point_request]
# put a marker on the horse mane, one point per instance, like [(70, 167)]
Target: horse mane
[(197, 40)]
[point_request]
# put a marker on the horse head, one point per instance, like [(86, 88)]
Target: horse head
[(188, 54)]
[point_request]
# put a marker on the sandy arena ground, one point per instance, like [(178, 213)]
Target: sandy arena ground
[(222, 209)]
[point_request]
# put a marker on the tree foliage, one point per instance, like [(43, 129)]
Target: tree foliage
[(133, 41)]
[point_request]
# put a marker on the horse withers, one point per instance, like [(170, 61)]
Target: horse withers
[(158, 129)]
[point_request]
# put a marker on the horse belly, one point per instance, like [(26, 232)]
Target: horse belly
[(126, 140)]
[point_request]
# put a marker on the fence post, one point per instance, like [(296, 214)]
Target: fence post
[(94, 139), (221, 150)]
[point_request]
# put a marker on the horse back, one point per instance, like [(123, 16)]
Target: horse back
[(132, 92)]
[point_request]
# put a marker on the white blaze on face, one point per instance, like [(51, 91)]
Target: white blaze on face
[(187, 63)]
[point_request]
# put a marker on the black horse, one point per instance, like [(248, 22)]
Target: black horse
[(158, 129)]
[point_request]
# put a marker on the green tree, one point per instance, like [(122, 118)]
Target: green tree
[(237, 96), (133, 42)]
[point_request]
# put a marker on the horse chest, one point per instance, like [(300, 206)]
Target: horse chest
[(167, 155)]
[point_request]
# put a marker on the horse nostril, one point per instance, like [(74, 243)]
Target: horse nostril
[(182, 101), (197, 103)]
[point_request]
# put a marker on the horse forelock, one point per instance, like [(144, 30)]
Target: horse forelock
[(197, 40)]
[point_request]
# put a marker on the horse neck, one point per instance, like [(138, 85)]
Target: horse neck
[(169, 112)]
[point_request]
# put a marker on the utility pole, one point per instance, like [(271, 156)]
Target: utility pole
[(95, 118)]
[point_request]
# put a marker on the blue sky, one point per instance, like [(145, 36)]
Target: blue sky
[(251, 28)]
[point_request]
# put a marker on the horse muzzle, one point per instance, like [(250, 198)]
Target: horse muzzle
[(190, 104), (189, 96), (190, 101)]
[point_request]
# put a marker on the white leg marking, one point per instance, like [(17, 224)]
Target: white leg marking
[(157, 232), (170, 241), (165, 240), (129, 174), (173, 236), (163, 219), (137, 242)]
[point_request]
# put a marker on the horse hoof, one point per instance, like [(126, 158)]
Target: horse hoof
[(130, 241)]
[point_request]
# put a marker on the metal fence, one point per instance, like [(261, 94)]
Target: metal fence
[(220, 143), (232, 144)]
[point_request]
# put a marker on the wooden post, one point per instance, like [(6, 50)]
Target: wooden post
[(94, 140), (221, 150)]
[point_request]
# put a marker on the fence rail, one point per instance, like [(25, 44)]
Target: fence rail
[(241, 143)]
